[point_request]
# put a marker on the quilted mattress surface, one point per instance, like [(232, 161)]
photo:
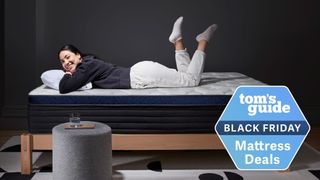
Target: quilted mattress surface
[(215, 88)]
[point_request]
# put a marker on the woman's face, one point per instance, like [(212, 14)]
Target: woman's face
[(69, 60)]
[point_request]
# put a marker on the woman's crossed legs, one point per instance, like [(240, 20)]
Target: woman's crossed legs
[(148, 74)]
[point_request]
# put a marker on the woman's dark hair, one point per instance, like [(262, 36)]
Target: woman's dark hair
[(71, 48), (75, 50)]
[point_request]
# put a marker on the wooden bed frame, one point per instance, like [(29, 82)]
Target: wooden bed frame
[(30, 142)]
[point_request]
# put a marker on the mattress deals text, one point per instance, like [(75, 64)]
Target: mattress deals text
[(261, 146), (262, 127), (263, 104)]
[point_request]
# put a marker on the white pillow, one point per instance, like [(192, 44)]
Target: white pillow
[(51, 78)]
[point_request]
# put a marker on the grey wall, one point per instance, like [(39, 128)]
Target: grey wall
[(19, 65), (276, 41), (1, 53)]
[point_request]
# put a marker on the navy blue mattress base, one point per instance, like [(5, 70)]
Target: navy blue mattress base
[(133, 100), (122, 118)]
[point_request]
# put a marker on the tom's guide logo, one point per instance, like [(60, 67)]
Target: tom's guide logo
[(262, 127)]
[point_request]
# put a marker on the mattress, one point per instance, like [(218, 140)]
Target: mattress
[(154, 110)]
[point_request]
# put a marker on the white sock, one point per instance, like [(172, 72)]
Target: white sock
[(207, 34), (176, 31)]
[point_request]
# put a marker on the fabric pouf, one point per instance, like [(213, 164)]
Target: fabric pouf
[(82, 154)]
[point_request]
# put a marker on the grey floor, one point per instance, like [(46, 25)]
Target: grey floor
[(143, 165)]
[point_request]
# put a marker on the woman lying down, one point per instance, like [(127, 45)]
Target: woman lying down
[(81, 69)]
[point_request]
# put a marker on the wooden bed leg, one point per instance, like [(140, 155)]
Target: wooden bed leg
[(26, 153)]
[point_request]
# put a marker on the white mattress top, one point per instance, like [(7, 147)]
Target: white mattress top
[(212, 83)]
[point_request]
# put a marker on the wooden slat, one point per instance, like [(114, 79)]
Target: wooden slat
[(165, 142), (42, 142)]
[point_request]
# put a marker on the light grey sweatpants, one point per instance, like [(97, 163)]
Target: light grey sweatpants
[(149, 74)]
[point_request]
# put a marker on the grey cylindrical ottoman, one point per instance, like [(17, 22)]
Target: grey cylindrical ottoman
[(82, 154)]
